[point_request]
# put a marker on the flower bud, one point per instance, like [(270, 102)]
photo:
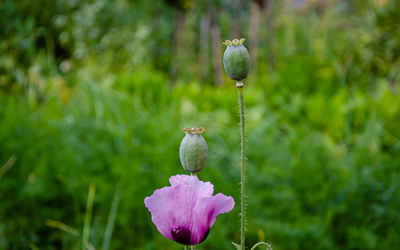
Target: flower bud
[(236, 60), (193, 151)]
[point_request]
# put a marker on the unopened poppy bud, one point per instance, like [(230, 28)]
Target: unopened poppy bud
[(193, 151), (236, 60)]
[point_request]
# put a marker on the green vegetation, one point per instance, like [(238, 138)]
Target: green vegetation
[(93, 95)]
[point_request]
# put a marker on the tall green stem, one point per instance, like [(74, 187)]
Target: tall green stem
[(239, 86), (187, 247)]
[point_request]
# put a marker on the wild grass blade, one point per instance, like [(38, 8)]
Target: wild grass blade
[(111, 217), (88, 218)]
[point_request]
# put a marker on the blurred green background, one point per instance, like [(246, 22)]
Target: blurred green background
[(93, 95)]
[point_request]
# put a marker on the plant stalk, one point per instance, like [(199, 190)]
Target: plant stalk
[(239, 86), (192, 247)]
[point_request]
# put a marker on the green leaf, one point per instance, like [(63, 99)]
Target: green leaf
[(238, 247)]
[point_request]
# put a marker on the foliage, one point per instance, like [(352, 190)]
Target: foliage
[(86, 100)]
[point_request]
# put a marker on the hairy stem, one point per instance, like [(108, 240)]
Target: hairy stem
[(239, 86)]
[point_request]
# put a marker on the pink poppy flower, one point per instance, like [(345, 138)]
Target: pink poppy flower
[(185, 211)]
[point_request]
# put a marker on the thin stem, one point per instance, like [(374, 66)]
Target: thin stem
[(187, 247), (267, 246), (239, 86), (192, 247)]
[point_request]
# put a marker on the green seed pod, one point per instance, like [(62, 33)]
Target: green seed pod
[(236, 60), (193, 151)]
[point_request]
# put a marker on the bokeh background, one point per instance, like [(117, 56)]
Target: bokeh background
[(93, 95)]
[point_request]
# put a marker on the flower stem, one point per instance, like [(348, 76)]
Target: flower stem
[(187, 247), (239, 86), (192, 247)]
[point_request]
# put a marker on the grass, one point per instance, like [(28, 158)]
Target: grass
[(80, 150)]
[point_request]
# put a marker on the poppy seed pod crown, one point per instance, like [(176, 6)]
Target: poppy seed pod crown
[(236, 60), (193, 151)]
